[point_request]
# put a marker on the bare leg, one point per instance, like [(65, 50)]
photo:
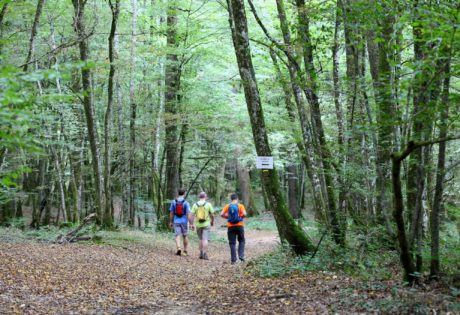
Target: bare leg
[(178, 242), (185, 243)]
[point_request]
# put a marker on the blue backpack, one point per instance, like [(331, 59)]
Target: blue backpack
[(233, 215)]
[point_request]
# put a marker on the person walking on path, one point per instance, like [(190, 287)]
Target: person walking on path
[(202, 212), (179, 213), (235, 213)]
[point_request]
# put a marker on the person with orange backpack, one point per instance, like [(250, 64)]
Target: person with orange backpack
[(179, 213), (202, 211), (235, 213)]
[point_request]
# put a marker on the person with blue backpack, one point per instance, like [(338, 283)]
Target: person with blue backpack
[(179, 213), (235, 212)]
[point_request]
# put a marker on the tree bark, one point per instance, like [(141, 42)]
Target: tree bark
[(305, 148), (440, 171), (311, 93), (132, 120), (2, 17), (108, 218), (79, 24), (381, 76), (293, 190), (172, 81), (287, 228), (33, 33)]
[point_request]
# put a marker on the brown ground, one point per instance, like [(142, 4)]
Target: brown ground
[(150, 279)]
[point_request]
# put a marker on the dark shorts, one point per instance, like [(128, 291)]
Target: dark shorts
[(181, 229)]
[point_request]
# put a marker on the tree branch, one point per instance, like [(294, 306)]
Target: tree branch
[(412, 145)]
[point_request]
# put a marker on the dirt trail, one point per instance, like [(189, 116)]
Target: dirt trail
[(149, 279), (97, 279)]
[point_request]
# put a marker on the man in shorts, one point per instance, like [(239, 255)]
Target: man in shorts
[(202, 212), (179, 212)]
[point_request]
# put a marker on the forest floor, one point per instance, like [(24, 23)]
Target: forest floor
[(146, 277)]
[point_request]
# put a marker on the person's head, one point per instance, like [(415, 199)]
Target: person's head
[(234, 197), (202, 195), (181, 192)]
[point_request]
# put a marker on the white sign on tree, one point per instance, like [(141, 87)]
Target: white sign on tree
[(264, 162)]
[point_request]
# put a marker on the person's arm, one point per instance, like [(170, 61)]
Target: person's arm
[(191, 218), (211, 215), (171, 218), (171, 214), (224, 213), (243, 211)]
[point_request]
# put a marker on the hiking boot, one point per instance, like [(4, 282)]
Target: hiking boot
[(205, 256), (201, 255), (184, 253), (242, 260), (178, 253)]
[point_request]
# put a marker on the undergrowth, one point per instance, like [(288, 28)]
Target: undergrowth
[(369, 255)]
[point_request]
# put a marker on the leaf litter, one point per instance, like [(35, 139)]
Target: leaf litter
[(37, 278)]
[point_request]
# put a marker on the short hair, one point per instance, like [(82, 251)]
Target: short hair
[(181, 192), (202, 195), (234, 197)]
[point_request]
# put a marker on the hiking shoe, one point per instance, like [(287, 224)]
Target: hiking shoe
[(178, 253), (201, 255), (242, 260), (205, 256), (184, 253)]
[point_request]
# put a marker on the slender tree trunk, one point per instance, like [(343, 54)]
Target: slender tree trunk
[(171, 111), (295, 79), (311, 93), (33, 33), (287, 228), (132, 121), (381, 75), (2, 17), (293, 190), (60, 184), (108, 218), (440, 173), (79, 7)]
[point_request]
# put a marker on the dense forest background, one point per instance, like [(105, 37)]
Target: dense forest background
[(109, 107)]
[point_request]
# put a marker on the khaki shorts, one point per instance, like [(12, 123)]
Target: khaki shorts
[(203, 233), (180, 229)]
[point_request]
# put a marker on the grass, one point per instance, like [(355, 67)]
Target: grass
[(368, 255)]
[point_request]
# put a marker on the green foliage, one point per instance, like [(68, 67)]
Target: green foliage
[(366, 257)]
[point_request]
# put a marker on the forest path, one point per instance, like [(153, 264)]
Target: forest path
[(135, 279), (148, 278)]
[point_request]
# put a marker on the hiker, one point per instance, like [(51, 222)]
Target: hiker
[(202, 211), (235, 213), (179, 212)]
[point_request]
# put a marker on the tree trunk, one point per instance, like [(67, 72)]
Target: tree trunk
[(33, 33), (293, 190), (381, 75), (132, 121), (289, 231), (61, 184), (108, 218), (244, 182), (79, 7), (296, 81), (405, 255), (2, 17), (311, 93), (171, 112), (440, 172)]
